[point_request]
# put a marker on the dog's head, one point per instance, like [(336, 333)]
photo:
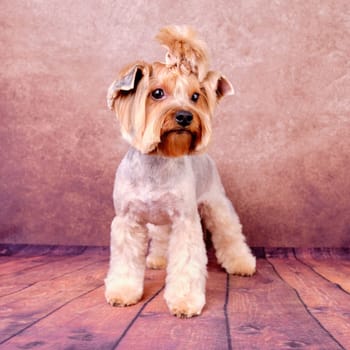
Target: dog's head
[(167, 108)]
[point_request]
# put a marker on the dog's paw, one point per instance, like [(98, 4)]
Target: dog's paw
[(156, 262), (186, 306), (244, 265), (122, 292)]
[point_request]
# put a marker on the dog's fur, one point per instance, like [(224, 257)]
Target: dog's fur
[(165, 185)]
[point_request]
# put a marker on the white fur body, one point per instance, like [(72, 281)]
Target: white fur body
[(164, 199)]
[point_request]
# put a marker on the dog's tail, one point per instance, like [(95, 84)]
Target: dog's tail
[(185, 50)]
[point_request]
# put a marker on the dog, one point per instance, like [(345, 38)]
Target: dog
[(166, 183)]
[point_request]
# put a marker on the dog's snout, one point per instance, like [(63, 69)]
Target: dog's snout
[(184, 118)]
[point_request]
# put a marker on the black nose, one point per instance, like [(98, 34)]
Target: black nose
[(184, 118)]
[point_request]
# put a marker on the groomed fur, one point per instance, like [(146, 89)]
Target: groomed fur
[(165, 186)]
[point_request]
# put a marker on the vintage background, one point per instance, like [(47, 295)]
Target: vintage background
[(282, 143)]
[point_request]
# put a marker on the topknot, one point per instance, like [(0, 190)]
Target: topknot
[(186, 51)]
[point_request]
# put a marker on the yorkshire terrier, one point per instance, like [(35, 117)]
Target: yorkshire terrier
[(166, 185)]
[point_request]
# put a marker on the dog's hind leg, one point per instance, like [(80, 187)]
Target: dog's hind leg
[(158, 248)]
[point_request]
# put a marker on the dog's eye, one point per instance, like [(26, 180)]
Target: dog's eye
[(158, 94), (195, 97)]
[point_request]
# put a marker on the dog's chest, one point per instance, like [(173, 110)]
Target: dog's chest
[(157, 210), (152, 190)]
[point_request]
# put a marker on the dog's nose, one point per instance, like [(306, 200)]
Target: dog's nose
[(184, 118)]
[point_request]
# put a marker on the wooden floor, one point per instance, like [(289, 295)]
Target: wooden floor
[(52, 298)]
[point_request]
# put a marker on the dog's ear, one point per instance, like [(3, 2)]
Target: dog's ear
[(216, 87), (224, 87), (219, 84), (127, 96), (127, 82)]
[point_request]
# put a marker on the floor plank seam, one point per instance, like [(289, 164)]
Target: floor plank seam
[(308, 311), (51, 279), (131, 323), (319, 274), (49, 314), (227, 320), (78, 269), (18, 290), (317, 320), (27, 268)]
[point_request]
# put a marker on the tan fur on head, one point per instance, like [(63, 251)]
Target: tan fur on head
[(148, 123), (185, 50)]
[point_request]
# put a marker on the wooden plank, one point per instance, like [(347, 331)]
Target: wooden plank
[(265, 313), (87, 322), (13, 265), (31, 267), (327, 303), (22, 250), (15, 258), (332, 264), (159, 329), (48, 267), (20, 310)]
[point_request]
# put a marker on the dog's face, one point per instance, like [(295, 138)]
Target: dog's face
[(166, 110)]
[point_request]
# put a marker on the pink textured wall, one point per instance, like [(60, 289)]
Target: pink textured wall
[(282, 143)]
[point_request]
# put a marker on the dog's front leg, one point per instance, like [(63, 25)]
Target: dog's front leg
[(125, 278), (186, 270)]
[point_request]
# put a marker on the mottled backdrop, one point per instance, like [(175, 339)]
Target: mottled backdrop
[(282, 143)]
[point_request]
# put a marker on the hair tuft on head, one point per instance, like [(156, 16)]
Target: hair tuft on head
[(186, 51)]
